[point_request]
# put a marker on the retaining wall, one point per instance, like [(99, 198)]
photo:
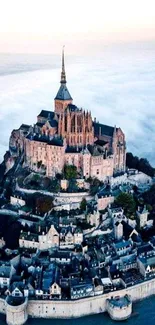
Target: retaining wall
[(83, 307)]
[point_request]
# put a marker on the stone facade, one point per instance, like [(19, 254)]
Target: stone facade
[(118, 230), (142, 215), (104, 201), (70, 136), (16, 314)]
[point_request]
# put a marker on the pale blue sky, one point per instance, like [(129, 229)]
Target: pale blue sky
[(44, 25)]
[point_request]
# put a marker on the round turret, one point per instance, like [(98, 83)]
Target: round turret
[(16, 310), (119, 308)]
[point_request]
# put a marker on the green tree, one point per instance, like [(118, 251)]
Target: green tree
[(83, 204), (70, 171), (141, 164), (149, 196), (95, 185), (127, 202), (44, 204)]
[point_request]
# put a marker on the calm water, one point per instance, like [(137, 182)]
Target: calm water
[(117, 85), (143, 314)]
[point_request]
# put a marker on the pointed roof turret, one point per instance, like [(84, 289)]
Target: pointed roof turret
[(63, 93)]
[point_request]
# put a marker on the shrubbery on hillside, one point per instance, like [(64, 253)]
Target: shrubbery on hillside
[(140, 164), (127, 202)]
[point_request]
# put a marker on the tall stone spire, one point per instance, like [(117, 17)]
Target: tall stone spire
[(63, 97), (63, 74)]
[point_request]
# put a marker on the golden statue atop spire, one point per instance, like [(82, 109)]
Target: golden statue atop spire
[(63, 74)]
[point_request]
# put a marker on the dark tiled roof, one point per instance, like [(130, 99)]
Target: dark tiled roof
[(127, 229), (5, 271), (39, 124), (136, 238), (72, 107), (73, 149), (63, 93), (106, 191), (100, 142), (104, 129), (27, 236), (60, 254), (144, 249), (122, 244), (50, 275), (24, 127), (94, 150), (46, 114), (53, 123), (43, 138)]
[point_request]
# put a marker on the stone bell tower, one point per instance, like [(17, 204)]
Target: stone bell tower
[(63, 97)]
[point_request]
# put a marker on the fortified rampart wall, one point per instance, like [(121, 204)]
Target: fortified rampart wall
[(59, 197), (87, 306), (16, 315), (82, 307)]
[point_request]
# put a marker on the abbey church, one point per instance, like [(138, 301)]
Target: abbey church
[(69, 136)]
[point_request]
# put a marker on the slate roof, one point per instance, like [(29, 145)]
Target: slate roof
[(106, 191), (53, 123), (46, 114), (100, 142), (43, 138), (127, 229), (73, 149), (114, 271), (73, 107), (122, 244), (39, 124), (148, 260), (94, 150), (20, 285), (63, 93), (146, 248), (24, 126), (5, 271), (28, 236), (50, 276), (105, 129), (136, 238), (60, 254)]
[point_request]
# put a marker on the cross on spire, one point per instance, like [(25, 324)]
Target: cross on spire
[(63, 74)]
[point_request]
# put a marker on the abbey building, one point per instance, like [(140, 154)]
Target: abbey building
[(69, 136)]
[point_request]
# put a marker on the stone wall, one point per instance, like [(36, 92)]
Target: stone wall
[(60, 197), (83, 307), (86, 306), (16, 315), (65, 198), (2, 306)]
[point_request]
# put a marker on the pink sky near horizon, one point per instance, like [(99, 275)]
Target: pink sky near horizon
[(43, 26)]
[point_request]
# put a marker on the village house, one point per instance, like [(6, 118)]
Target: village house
[(123, 247), (146, 265), (49, 240), (142, 216), (28, 240), (5, 274)]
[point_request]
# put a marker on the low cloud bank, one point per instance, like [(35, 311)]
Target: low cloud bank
[(118, 88)]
